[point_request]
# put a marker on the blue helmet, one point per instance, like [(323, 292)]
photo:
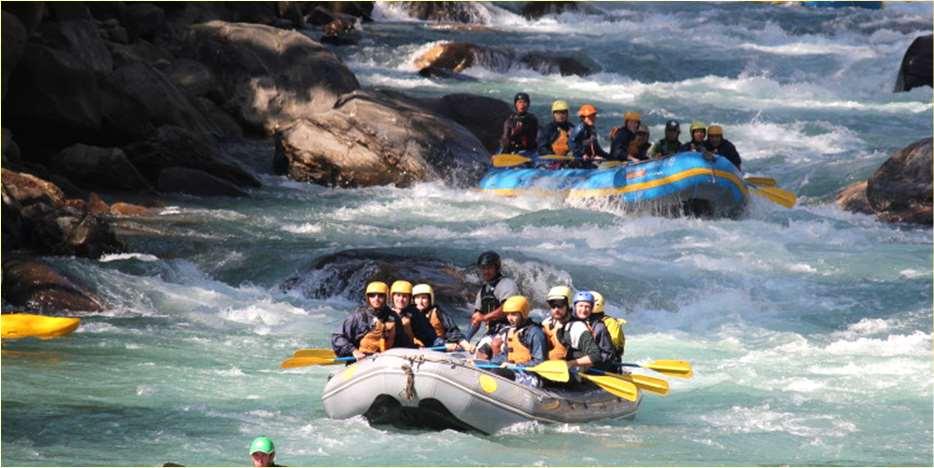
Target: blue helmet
[(583, 296)]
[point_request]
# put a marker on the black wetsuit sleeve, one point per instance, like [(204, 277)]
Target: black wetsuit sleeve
[(422, 328), (604, 341), (619, 147), (452, 333), (729, 152), (587, 346), (507, 136), (344, 341), (545, 139)]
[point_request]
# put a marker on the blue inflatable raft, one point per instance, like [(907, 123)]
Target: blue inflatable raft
[(683, 182)]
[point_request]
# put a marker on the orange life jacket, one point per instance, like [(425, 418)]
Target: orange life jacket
[(560, 145), (517, 353), (382, 336), (556, 349), (434, 318)]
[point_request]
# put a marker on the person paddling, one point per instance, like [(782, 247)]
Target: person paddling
[(525, 343), (414, 324), (721, 146), (590, 342), (372, 328), (585, 142), (446, 331), (488, 306), (520, 130), (670, 144), (555, 137), (622, 137)]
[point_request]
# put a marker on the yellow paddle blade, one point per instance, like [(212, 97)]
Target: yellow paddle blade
[(644, 382), (509, 160), (610, 164), (621, 388), (307, 361), (17, 326), (556, 370), (555, 157), (672, 367), (315, 352), (762, 181), (777, 195)]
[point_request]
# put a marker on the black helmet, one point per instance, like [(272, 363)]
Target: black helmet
[(488, 258), (673, 125), (522, 96)]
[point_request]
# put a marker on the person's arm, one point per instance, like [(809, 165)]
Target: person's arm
[(507, 131), (574, 141), (343, 341), (604, 342), (733, 156), (536, 344), (618, 147), (545, 139), (533, 132)]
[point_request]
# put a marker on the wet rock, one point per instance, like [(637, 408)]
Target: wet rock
[(96, 167), (535, 10), (124, 118), (346, 274), (128, 209), (164, 103), (174, 146), (195, 182), (79, 38), (225, 125), (269, 75), (14, 43), (138, 52), (27, 189), (107, 10), (483, 116), (916, 68), (143, 19), (378, 138), (192, 77), (35, 285), (444, 74), (853, 198), (111, 30), (96, 206), (901, 190), (458, 56), (448, 12)]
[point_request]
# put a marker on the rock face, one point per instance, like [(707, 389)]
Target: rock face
[(92, 166), (458, 56), (269, 75), (346, 274), (448, 12), (379, 138), (36, 286), (535, 10), (484, 116), (900, 191), (14, 42), (195, 182), (79, 38), (916, 65)]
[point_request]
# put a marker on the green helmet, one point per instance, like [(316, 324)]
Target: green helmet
[(698, 125), (262, 444)]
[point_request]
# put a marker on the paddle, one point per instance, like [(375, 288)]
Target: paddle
[(610, 164), (643, 382), (621, 388), (762, 181), (670, 367), (512, 160), (776, 195), (293, 362), (329, 354), (556, 370)]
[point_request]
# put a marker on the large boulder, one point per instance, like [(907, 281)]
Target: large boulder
[(853, 198), (141, 51), (14, 42), (29, 13), (535, 10), (79, 38), (27, 189), (192, 77), (916, 68), (378, 138), (346, 274), (270, 76), (901, 190), (143, 20), (458, 56), (174, 146), (446, 12), (96, 167), (36, 286), (482, 115), (195, 182)]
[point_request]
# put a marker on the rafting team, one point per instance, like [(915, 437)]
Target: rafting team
[(577, 330), (629, 143)]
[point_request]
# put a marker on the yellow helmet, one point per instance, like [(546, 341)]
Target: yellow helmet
[(714, 130), (424, 289), (632, 115), (560, 106), (401, 287), (377, 287), (560, 292), (517, 305), (598, 302), (698, 125)]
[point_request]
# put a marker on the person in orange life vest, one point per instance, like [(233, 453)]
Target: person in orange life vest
[(621, 137), (520, 130), (414, 324), (591, 345), (559, 301), (554, 138), (446, 331), (372, 328), (524, 342), (584, 140), (639, 146), (488, 306)]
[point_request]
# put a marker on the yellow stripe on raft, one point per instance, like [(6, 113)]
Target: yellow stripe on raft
[(594, 193), (18, 326)]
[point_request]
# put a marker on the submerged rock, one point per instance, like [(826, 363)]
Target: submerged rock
[(36, 286), (459, 56)]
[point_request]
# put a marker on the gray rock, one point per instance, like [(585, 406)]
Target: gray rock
[(143, 19), (164, 103), (459, 56), (916, 68), (901, 190), (378, 138), (98, 168), (448, 12), (195, 182), (35, 285), (141, 51), (226, 126), (482, 115), (270, 76), (192, 77), (80, 38), (14, 42)]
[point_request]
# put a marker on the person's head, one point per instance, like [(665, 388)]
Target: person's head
[(559, 109), (521, 102), (489, 265), (672, 130), (588, 114), (599, 305), (263, 451), (516, 309), (401, 293), (376, 294), (583, 304), (715, 135), (632, 120), (559, 300), (423, 296), (698, 130), (642, 133)]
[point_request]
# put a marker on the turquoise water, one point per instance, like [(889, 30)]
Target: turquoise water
[(809, 329)]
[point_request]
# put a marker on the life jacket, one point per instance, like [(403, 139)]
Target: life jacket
[(556, 349), (488, 300), (519, 135), (560, 145), (517, 352), (434, 318), (380, 337), (615, 327)]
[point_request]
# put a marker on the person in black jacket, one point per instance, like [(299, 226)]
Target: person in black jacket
[(670, 144), (414, 323), (696, 143), (520, 130), (721, 146), (621, 137), (446, 331), (372, 328), (585, 142)]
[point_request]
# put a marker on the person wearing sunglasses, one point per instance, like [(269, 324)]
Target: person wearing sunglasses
[(372, 328)]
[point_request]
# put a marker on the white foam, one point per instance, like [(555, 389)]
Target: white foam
[(128, 256), (305, 228)]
